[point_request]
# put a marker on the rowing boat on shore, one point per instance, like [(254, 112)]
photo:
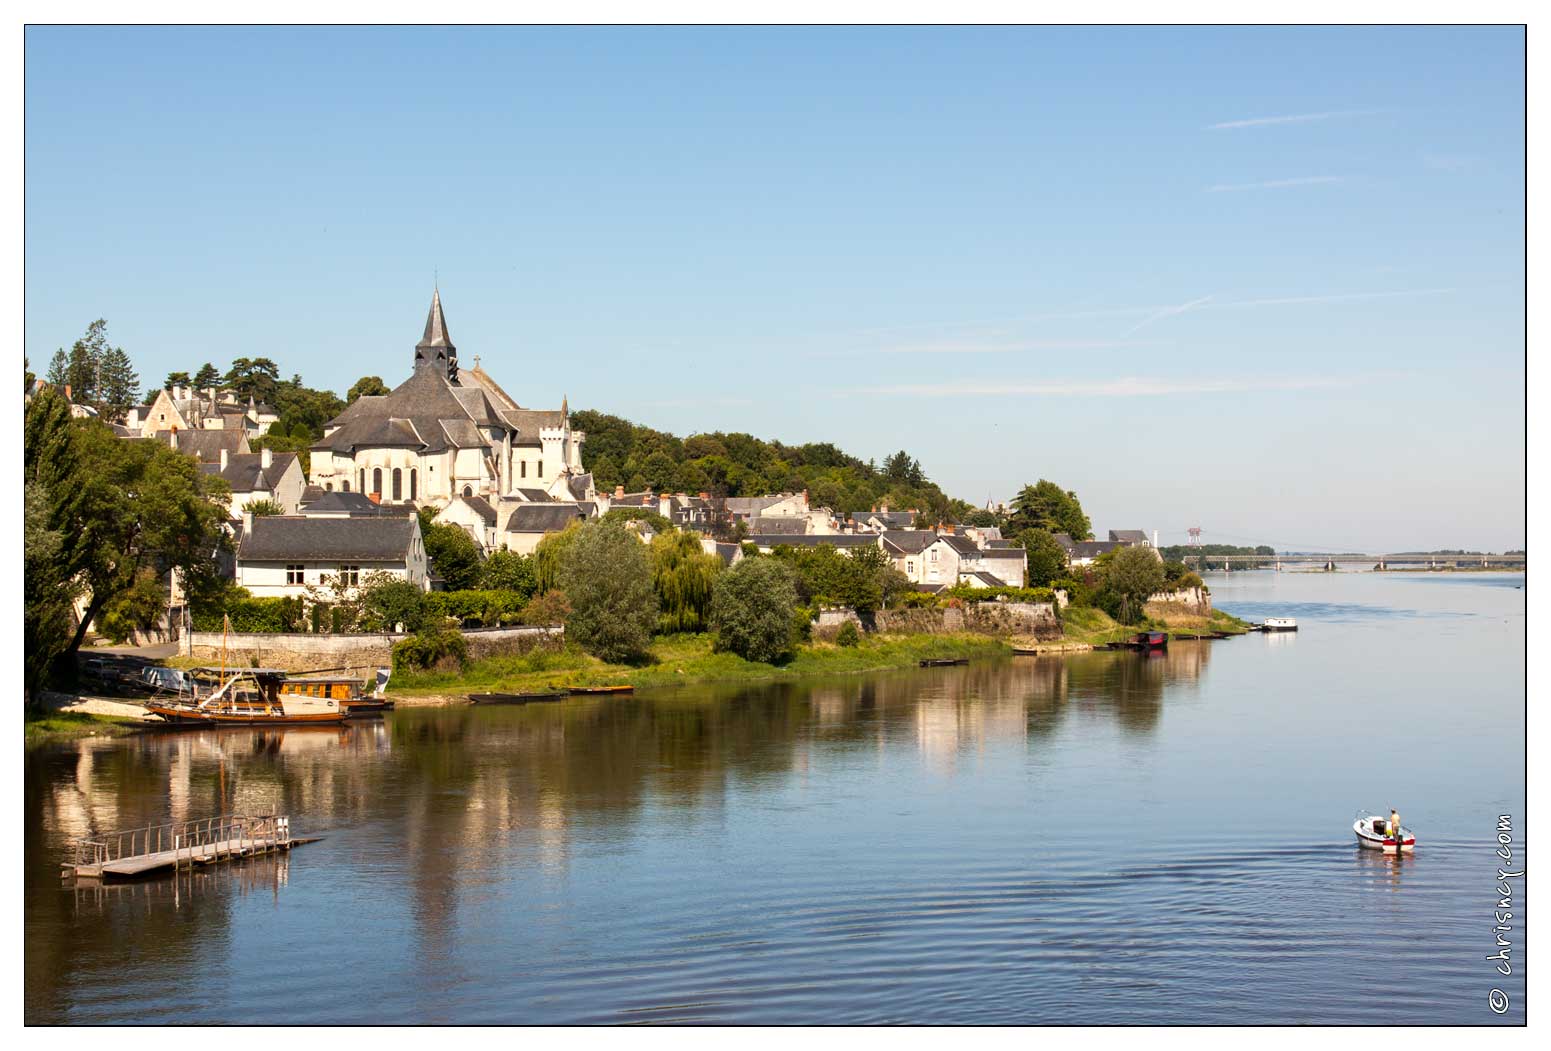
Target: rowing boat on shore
[(625, 688), (516, 698)]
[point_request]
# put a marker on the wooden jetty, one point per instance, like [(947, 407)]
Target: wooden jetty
[(179, 845)]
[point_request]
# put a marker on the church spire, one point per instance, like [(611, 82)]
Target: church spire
[(435, 348)]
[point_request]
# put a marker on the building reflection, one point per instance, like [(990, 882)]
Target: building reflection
[(430, 805)]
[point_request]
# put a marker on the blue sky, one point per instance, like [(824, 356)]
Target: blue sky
[(1264, 281)]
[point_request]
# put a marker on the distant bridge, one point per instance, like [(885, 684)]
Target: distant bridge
[(1333, 561)]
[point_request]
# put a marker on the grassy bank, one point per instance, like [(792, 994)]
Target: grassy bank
[(1095, 627), (678, 659), (42, 727)]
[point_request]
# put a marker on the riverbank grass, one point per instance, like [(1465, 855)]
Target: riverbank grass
[(679, 659), (41, 727), (1095, 627)]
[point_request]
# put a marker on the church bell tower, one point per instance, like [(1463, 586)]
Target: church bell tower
[(435, 349)]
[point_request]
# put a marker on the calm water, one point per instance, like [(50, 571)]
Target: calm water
[(1105, 838)]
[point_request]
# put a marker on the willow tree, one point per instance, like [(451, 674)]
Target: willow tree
[(548, 555), (684, 575)]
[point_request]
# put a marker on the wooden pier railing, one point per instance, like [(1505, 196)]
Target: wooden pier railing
[(179, 844)]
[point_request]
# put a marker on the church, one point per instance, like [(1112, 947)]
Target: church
[(446, 433)]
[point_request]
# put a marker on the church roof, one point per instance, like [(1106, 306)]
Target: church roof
[(436, 337)]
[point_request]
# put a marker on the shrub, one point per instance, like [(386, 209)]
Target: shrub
[(967, 593), (753, 610), (388, 602), (253, 614), (550, 608), (509, 571), (434, 648), (607, 578), (848, 635)]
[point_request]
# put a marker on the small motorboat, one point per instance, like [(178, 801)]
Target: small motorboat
[(1374, 833), (623, 688), (516, 698), (1279, 624)]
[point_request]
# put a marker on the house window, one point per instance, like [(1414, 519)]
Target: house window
[(294, 573), (934, 556), (468, 491), (910, 566), (398, 485), (538, 467), (349, 576), (412, 480), (344, 487), (377, 480)]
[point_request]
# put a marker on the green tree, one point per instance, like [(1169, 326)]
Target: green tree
[(262, 508), (387, 601), (120, 383), (453, 554), (607, 578), (134, 507), (1134, 575), (138, 608), (1047, 558), (509, 571), (1045, 505), (550, 608), (684, 576), (366, 385), (58, 370), (548, 556), (176, 379), (208, 376), (46, 594), (752, 610), (256, 378)]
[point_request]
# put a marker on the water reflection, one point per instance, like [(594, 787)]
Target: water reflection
[(431, 805)]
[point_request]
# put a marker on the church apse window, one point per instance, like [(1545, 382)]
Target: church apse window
[(398, 485), (412, 481), (377, 480)]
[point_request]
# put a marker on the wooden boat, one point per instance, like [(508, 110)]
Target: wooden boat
[(1374, 833), (1279, 624), (350, 693), (943, 662), (516, 698), (603, 689), (1152, 640), (246, 697)]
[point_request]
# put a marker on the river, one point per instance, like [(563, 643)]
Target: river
[(1103, 838)]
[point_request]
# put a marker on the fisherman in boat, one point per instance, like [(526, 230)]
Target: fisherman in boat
[(1394, 828)]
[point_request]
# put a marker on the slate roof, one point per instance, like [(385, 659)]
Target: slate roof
[(908, 541), (962, 544), (727, 552), (646, 499), (1092, 548), (990, 580), (1005, 553), (246, 473), (752, 505), (528, 422), (206, 446), (836, 540), (579, 484), (336, 503), (1065, 541), (412, 415), (542, 518), (1128, 536), (535, 496), (277, 538), (790, 525), (481, 507), (888, 519), (436, 336)]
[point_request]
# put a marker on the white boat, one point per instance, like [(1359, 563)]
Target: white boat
[(1279, 624), (1374, 833)]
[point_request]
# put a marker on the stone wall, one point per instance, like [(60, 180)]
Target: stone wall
[(1037, 619), (1196, 602), (303, 652)]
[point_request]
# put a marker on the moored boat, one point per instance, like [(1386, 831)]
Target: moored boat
[(1279, 624), (350, 693), (623, 688), (943, 662), (516, 698), (246, 697), (1374, 833), (1152, 640)]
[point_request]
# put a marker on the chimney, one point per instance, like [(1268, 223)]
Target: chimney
[(266, 457), (223, 459), (619, 492), (247, 520), (705, 496)]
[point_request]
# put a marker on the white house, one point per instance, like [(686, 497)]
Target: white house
[(474, 515), (264, 475), (529, 523), (281, 555)]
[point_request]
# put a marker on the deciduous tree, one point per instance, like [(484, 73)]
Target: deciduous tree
[(607, 578), (751, 610)]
